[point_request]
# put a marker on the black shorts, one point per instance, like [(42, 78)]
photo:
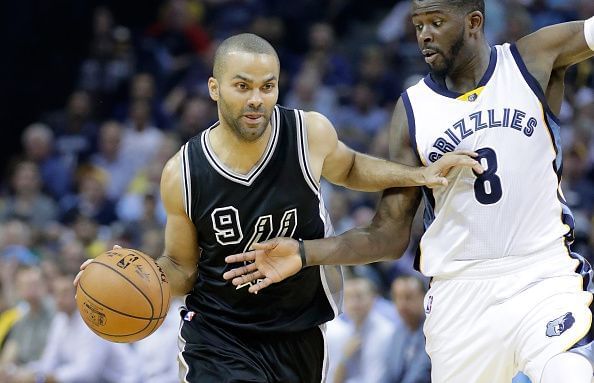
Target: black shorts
[(223, 355)]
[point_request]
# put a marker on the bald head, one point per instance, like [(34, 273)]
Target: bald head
[(245, 42)]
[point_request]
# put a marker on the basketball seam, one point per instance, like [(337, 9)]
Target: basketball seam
[(162, 298), (114, 310), (129, 281), (114, 335)]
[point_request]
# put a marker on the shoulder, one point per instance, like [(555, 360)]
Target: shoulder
[(319, 126), (171, 183)]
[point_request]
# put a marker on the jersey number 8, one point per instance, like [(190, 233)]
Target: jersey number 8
[(487, 186)]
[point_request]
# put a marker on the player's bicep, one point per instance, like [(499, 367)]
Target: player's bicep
[(338, 164), (336, 159), (181, 240), (553, 47)]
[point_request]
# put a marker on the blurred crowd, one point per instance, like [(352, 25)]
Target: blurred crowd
[(87, 175)]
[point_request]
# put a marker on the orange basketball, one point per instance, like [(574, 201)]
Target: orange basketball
[(123, 295)]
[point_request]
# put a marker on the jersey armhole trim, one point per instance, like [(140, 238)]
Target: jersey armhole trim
[(186, 180), (532, 82), (303, 149), (410, 116)]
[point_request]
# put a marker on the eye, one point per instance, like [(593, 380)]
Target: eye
[(419, 27), (268, 87), (241, 85), (438, 23)]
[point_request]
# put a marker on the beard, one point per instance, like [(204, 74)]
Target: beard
[(239, 127), (441, 71)]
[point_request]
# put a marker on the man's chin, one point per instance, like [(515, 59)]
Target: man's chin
[(251, 133)]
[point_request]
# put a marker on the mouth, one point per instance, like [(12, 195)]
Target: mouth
[(253, 118), (430, 55)]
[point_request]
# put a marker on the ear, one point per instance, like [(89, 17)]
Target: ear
[(213, 88), (475, 21)]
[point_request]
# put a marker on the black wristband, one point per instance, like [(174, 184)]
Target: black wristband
[(302, 253)]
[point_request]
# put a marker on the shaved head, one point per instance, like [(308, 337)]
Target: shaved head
[(245, 42)]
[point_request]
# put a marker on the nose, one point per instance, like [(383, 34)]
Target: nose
[(425, 35), (255, 99)]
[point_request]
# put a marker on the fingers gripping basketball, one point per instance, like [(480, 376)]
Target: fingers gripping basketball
[(123, 295)]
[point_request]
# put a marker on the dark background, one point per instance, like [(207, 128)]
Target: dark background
[(43, 43)]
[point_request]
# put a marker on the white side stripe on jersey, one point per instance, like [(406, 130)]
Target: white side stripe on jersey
[(303, 150), (186, 181)]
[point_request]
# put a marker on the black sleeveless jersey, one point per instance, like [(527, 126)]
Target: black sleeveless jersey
[(278, 197)]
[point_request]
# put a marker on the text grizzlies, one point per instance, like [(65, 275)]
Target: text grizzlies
[(484, 119)]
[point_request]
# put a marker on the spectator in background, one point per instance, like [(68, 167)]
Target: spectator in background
[(16, 239), (131, 207), (334, 68), (174, 39), (374, 70), (197, 114), (71, 255), (73, 353), (158, 352), (358, 122), (308, 93), (9, 314), (406, 360), (26, 201), (90, 234), (358, 346), (74, 128), (141, 138), (110, 63), (119, 164), (143, 88), (38, 144), (91, 200), (28, 337)]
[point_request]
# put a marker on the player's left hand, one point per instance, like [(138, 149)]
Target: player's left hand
[(273, 261), (435, 174)]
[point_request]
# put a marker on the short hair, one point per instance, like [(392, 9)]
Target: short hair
[(244, 42), (466, 6), (470, 5)]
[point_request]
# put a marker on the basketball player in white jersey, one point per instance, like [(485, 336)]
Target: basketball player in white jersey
[(507, 294)]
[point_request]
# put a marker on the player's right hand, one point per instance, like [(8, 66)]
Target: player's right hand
[(84, 266), (273, 261), (435, 174)]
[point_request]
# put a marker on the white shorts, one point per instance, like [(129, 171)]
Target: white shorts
[(487, 329)]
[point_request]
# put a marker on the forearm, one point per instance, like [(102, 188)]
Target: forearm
[(374, 174), (386, 237), (180, 280)]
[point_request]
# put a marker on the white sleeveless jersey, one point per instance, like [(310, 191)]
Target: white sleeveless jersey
[(516, 207)]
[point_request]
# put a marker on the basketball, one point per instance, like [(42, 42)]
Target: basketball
[(123, 295)]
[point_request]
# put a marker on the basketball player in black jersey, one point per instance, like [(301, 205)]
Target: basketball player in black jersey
[(252, 176), (444, 27)]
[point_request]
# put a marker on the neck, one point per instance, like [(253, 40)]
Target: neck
[(237, 154), (468, 73)]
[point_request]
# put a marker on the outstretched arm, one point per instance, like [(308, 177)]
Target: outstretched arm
[(555, 47), (180, 258), (386, 237), (343, 166)]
